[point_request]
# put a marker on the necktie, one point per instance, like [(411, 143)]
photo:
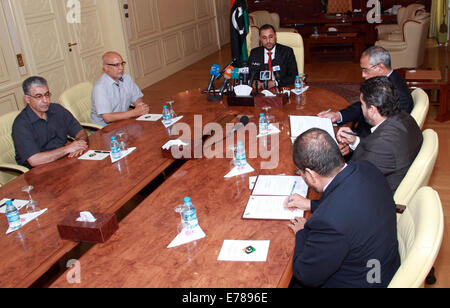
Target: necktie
[(270, 63)]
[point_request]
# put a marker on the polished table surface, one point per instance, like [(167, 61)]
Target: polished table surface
[(69, 185), (137, 254)]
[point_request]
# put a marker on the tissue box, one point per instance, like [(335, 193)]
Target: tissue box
[(259, 100), (92, 232)]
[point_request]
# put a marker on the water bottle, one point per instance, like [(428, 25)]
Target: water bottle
[(12, 214), (190, 214), (115, 148), (298, 84), (263, 125), (166, 115), (241, 159)]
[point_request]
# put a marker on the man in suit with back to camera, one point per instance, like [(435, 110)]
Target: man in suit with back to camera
[(350, 239), (395, 138), (375, 61), (114, 93), (272, 54), (40, 131)]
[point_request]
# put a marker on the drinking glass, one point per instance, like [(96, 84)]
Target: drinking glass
[(32, 206), (122, 138), (180, 209), (173, 115), (303, 79), (269, 118)]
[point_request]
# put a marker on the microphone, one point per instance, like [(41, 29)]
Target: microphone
[(223, 71), (235, 75), (227, 75), (277, 75), (265, 76), (243, 75), (214, 72), (254, 71), (242, 122)]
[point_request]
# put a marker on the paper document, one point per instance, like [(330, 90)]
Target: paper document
[(269, 207), (124, 154), (244, 251), (94, 155), (300, 124), (269, 194), (239, 170), (150, 117), (26, 218), (17, 203), (186, 236), (172, 121), (272, 130)]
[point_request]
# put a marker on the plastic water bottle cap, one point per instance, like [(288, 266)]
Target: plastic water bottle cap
[(187, 199), (239, 143), (165, 107), (113, 138), (8, 202), (261, 115)]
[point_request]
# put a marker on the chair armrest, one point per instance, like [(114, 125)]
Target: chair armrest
[(91, 126), (14, 167), (382, 29), (391, 45)]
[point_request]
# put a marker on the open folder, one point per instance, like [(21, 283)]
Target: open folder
[(269, 194)]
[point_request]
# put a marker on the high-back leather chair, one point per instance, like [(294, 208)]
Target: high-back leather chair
[(391, 31), (252, 38), (421, 106), (9, 169), (295, 41), (410, 50), (419, 231), (419, 172), (339, 6), (78, 101), (260, 18)]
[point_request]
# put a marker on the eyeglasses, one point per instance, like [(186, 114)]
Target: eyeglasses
[(41, 96), (117, 64), (366, 69)]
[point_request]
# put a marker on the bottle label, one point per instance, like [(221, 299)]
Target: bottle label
[(190, 217), (14, 220)]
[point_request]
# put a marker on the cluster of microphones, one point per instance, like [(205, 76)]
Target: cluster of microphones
[(245, 75)]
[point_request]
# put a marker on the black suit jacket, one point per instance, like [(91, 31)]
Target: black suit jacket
[(392, 147), (353, 227), (284, 57), (353, 113)]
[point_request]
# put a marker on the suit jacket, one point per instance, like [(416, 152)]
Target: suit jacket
[(284, 57), (392, 147), (353, 227), (353, 113)]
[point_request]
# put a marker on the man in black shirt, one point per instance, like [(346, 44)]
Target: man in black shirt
[(40, 131)]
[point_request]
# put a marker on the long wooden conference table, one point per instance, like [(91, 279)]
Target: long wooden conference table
[(137, 254)]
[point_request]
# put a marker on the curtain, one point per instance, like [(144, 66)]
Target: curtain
[(439, 20)]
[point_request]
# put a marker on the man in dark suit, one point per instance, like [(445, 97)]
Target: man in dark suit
[(375, 61), (395, 137), (351, 238), (272, 54)]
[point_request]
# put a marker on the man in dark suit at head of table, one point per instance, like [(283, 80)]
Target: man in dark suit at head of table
[(375, 62), (350, 240), (271, 54)]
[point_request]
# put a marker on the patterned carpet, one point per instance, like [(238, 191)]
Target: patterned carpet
[(348, 90)]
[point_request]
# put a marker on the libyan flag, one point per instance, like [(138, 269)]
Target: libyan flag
[(239, 30)]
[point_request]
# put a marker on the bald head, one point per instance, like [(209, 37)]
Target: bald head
[(113, 65)]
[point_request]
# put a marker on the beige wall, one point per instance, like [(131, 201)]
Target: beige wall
[(160, 38)]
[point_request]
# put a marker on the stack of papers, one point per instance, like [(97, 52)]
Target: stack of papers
[(300, 124), (269, 194)]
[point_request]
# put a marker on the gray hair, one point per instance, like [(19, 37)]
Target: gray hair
[(32, 82), (377, 55)]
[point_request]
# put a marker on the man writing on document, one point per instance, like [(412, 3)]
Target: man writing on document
[(352, 226), (114, 93)]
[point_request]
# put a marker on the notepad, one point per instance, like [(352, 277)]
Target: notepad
[(94, 155), (300, 124), (244, 251), (150, 117), (269, 194)]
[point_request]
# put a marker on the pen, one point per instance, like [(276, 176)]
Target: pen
[(325, 112), (292, 191), (101, 152), (350, 133)]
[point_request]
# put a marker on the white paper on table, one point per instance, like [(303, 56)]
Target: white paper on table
[(187, 236), (233, 250), (267, 93), (239, 170), (279, 185), (124, 154), (171, 143), (91, 155), (252, 181), (272, 130), (26, 218), (269, 207), (172, 121), (150, 117), (300, 124), (17, 203), (298, 92)]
